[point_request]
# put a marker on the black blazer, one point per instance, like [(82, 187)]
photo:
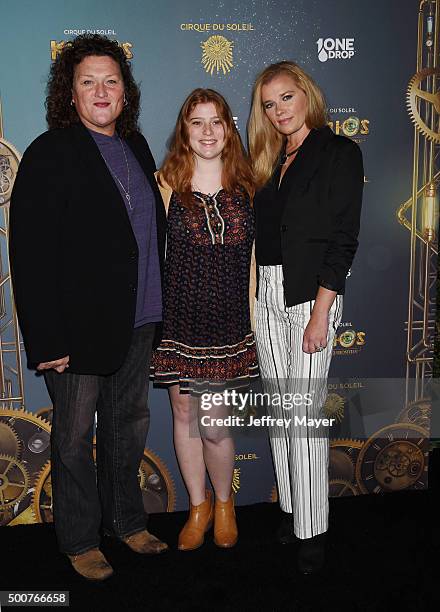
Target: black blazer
[(321, 194), (74, 257)]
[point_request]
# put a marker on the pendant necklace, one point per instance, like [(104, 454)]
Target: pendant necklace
[(285, 156), (126, 191)]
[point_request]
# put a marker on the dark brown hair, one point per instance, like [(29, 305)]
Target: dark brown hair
[(59, 111)]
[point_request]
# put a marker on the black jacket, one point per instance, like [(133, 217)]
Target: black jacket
[(74, 257), (321, 195)]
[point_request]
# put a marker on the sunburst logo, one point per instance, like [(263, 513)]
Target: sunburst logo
[(334, 407), (217, 54)]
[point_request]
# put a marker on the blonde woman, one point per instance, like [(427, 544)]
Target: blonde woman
[(309, 190)]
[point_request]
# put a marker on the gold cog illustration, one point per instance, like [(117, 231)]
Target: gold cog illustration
[(274, 494), (415, 96), (9, 160), (13, 415), (149, 480), (42, 495), (45, 413), (417, 413), (338, 487), (393, 459), (10, 443), (343, 456), (14, 481)]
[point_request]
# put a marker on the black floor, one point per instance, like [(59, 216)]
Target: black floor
[(383, 553)]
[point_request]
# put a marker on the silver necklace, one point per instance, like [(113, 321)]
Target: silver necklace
[(126, 191)]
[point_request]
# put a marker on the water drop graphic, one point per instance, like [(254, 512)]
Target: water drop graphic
[(323, 55)]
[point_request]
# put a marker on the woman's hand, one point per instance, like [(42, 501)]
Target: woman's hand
[(58, 364), (315, 334)]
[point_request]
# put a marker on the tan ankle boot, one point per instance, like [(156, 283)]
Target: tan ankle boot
[(198, 523), (225, 525), (145, 543), (91, 565)]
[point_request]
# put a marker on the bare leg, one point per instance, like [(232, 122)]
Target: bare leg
[(189, 448), (219, 453)]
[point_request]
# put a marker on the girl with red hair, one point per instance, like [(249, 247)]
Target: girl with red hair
[(207, 342)]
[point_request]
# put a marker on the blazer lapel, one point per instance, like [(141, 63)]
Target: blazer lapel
[(300, 173)]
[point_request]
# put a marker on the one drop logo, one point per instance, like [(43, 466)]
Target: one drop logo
[(335, 48)]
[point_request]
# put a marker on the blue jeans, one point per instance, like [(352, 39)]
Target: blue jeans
[(84, 497)]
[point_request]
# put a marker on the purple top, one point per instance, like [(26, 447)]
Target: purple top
[(141, 211)]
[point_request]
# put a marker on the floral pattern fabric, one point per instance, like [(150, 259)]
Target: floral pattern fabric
[(207, 339)]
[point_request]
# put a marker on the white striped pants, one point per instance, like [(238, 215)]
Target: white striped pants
[(300, 453)]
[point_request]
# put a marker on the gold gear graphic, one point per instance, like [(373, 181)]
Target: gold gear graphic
[(342, 459), (45, 413), (338, 487), (9, 161), (147, 477), (14, 481), (415, 95), (417, 413), (41, 505), (393, 459), (10, 443), (12, 415), (30, 430), (165, 473), (274, 494), (142, 477)]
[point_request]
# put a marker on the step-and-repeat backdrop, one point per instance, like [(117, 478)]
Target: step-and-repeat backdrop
[(364, 57)]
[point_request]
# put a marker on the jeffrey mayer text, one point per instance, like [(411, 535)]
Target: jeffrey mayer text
[(265, 421)]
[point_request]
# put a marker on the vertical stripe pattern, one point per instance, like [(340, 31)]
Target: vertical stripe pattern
[(300, 453)]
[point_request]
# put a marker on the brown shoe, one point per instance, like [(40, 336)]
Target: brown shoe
[(145, 543), (91, 565), (225, 525), (199, 522)]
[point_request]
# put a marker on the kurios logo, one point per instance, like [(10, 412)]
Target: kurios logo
[(348, 341), (351, 126), (335, 48), (57, 46)]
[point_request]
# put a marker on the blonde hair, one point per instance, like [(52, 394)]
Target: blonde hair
[(265, 141)]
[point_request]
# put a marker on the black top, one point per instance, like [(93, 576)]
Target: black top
[(268, 247), (317, 212)]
